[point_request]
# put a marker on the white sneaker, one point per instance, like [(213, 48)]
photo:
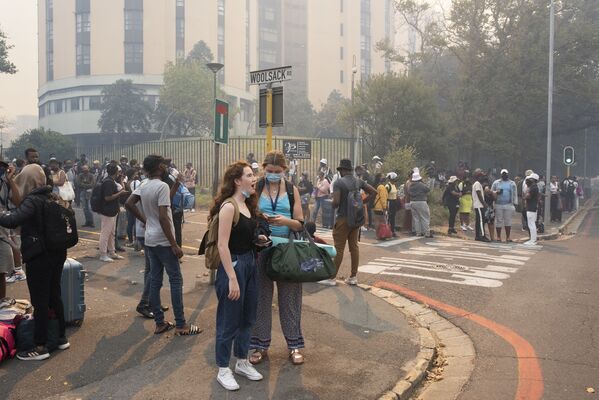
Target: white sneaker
[(193, 210), (16, 276), (328, 282), (464, 228), (529, 243), (115, 256), (352, 280), (105, 258), (244, 368), (226, 379), (469, 228)]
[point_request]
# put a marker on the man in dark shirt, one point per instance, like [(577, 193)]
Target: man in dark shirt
[(342, 231), (532, 199), (85, 183), (110, 209)]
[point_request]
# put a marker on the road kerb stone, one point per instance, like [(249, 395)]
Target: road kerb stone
[(433, 331)]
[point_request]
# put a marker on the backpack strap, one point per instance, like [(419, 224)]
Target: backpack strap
[(235, 206), (290, 195)]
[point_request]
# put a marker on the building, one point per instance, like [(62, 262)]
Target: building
[(85, 45)]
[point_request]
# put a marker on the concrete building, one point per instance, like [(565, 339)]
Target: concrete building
[(85, 45)]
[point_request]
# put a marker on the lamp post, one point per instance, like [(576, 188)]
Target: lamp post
[(547, 215), (215, 67), (355, 147)]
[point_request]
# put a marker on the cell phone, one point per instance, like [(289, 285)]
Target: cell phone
[(500, 191)]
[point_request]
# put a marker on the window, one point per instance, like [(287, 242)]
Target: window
[(269, 14), (133, 20), (180, 28), (341, 53), (341, 29), (180, 3), (42, 111), (75, 104), (180, 54), (269, 35), (133, 53), (268, 56), (83, 22), (341, 5), (83, 59), (95, 102), (341, 76), (58, 106)]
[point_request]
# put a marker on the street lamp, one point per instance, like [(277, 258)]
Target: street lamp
[(547, 215), (354, 146), (215, 67)]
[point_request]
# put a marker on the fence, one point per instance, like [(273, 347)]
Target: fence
[(199, 151)]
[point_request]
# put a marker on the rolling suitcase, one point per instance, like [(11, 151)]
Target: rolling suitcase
[(72, 291), (328, 215)]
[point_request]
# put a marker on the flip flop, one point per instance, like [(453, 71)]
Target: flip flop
[(188, 330), (166, 326)]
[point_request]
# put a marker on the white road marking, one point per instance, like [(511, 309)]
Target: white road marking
[(395, 242)]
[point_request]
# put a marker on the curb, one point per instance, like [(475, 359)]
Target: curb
[(445, 351)]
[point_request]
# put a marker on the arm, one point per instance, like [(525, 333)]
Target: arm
[(15, 193), (295, 223), (16, 218), (480, 196), (62, 177), (130, 205), (165, 224), (225, 222), (514, 194), (175, 187)]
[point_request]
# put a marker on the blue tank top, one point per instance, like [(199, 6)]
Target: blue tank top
[(282, 208)]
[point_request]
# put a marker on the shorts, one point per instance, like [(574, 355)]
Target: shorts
[(503, 215)]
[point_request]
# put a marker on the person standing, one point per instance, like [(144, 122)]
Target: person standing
[(380, 202), (451, 199), (489, 210), (110, 209), (420, 210), (279, 202), (465, 187), (163, 250), (10, 268), (532, 200), (235, 282), (85, 183), (555, 204), (342, 231), (392, 205), (44, 267), (322, 192), (478, 202), (305, 188), (506, 193), (190, 176), (528, 173)]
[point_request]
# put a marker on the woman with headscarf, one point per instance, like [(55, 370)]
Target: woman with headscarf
[(44, 267)]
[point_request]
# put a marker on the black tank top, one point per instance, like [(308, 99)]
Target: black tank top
[(242, 235)]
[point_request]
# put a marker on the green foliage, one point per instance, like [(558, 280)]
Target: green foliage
[(123, 109), (401, 161), (439, 213), (200, 53), (327, 122), (46, 142), (6, 66), (186, 98), (299, 114)]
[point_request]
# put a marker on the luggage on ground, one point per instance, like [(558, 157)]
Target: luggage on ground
[(72, 291), (8, 347)]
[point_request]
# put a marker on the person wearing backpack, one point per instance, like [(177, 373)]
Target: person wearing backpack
[(44, 264), (391, 187), (350, 217), (236, 208)]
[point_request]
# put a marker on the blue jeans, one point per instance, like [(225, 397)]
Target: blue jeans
[(84, 197), (145, 296), (235, 319), (130, 226), (319, 201), (162, 258)]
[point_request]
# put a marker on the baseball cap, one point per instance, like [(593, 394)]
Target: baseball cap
[(324, 161), (504, 171), (534, 176), (255, 165)]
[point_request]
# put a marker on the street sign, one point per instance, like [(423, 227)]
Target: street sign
[(568, 155), (298, 149), (221, 122), (266, 76), (277, 107)]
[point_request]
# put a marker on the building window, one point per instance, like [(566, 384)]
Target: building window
[(341, 5), (133, 20), (133, 37), (95, 102), (180, 26), (269, 14), (49, 40), (341, 53), (58, 106), (75, 104), (134, 58), (221, 36), (341, 76), (341, 29), (83, 22), (269, 35), (180, 3), (83, 59), (42, 111)]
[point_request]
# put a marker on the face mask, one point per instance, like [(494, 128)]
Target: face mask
[(504, 177), (245, 194), (272, 177)]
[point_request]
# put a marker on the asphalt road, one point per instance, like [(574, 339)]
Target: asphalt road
[(539, 307)]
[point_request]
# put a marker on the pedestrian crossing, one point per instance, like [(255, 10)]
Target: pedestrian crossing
[(458, 262)]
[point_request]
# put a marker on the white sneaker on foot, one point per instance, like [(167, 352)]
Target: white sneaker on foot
[(105, 258), (226, 379), (16, 276), (115, 256), (328, 282), (464, 228), (352, 280), (244, 368), (529, 243), (469, 228)]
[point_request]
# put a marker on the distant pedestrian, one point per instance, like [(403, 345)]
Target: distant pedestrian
[(190, 180), (392, 201), (478, 202), (321, 193), (532, 199), (345, 230), (465, 187), (86, 182), (419, 206), (10, 266), (451, 200), (506, 201), (380, 202), (110, 208), (305, 188), (555, 203), (489, 211)]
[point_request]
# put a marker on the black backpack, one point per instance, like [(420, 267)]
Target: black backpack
[(355, 206), (60, 226), (288, 186), (96, 201), (570, 188)]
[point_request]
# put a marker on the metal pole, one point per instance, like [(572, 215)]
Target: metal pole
[(215, 174), (547, 216), (586, 177), (269, 118)]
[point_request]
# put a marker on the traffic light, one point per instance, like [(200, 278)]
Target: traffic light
[(568, 155)]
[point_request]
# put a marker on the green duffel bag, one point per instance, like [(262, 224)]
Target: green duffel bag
[(299, 262)]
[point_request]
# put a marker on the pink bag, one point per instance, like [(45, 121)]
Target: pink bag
[(8, 348), (383, 231)]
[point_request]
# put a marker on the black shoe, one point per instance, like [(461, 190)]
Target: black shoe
[(120, 249), (429, 236), (145, 311), (37, 353), (483, 239)]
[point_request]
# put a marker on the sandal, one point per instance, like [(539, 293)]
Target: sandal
[(165, 326), (188, 330), (258, 356), (296, 357)]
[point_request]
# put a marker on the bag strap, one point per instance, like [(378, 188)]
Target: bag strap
[(235, 206)]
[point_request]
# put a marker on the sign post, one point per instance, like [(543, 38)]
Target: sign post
[(221, 122), (267, 77)]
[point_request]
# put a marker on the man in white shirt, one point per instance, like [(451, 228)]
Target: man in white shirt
[(478, 202)]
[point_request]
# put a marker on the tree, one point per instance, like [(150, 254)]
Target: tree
[(327, 122), (395, 110), (6, 66), (200, 53), (401, 161), (298, 114), (185, 106), (46, 142), (124, 109)]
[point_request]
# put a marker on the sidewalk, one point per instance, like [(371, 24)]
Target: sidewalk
[(355, 343)]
